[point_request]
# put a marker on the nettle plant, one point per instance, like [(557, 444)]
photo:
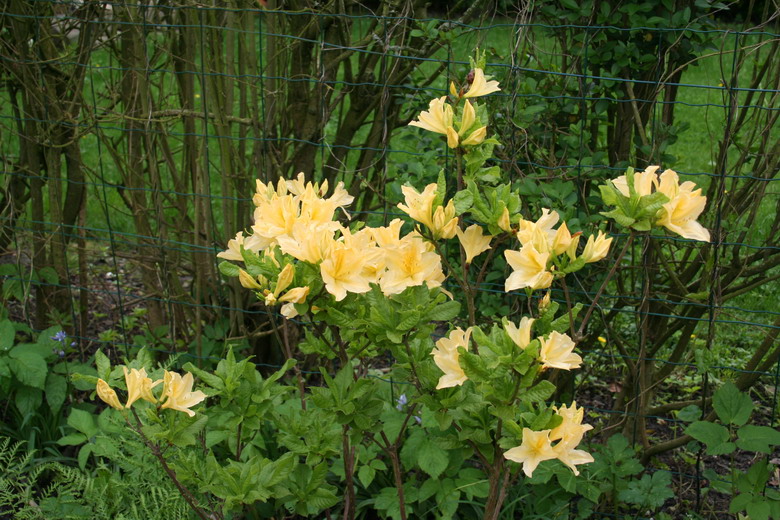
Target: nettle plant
[(417, 408)]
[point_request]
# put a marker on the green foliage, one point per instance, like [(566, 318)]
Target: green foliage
[(749, 489)]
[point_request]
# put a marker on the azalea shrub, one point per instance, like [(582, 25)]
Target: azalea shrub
[(401, 397)]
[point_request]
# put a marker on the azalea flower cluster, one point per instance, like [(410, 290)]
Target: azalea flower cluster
[(685, 203), (556, 350), (440, 116), (534, 263), (538, 446), (176, 393), (296, 218)]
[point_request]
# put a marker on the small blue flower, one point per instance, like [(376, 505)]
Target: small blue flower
[(418, 419), (60, 336), (401, 402)]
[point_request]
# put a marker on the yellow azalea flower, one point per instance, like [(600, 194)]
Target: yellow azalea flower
[(529, 269), (571, 251), (562, 240), (544, 302), (179, 394), (288, 311), (233, 252), (139, 386), (473, 241), (389, 235), (467, 119), (684, 207), (596, 248), (274, 218), (409, 264), (503, 222), (419, 206), (342, 272), (571, 428), (438, 117), (309, 242), (535, 448), (557, 351), (297, 295), (643, 182), (565, 452), (540, 234), (480, 86), (520, 334), (108, 395), (285, 279), (602, 340), (444, 222), (446, 357), (248, 281), (475, 138)]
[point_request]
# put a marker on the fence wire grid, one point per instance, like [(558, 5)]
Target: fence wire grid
[(133, 134)]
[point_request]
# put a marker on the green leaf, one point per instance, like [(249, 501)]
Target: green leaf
[(758, 509), (27, 400), (731, 405), (618, 216), (432, 459), (103, 365), (463, 201), (56, 391), (228, 269), (445, 312), (757, 438), (7, 335), (539, 392), (83, 421), (366, 475), (714, 436), (650, 491), (28, 367)]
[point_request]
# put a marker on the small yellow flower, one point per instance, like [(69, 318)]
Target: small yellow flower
[(297, 295), (596, 248), (558, 352), (446, 357), (503, 222), (438, 117), (473, 241), (535, 448), (179, 394), (139, 386), (108, 395), (520, 334), (480, 86), (529, 269), (247, 281), (602, 340)]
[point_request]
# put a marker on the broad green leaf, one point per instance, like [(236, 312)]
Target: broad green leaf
[(463, 201), (7, 334), (731, 405), (445, 311), (83, 421), (56, 391), (103, 365), (228, 269), (27, 400), (28, 367), (757, 438), (714, 436), (432, 459)]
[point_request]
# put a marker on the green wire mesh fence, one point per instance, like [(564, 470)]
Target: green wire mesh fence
[(133, 134)]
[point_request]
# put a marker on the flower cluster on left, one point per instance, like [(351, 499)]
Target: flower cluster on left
[(177, 393)]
